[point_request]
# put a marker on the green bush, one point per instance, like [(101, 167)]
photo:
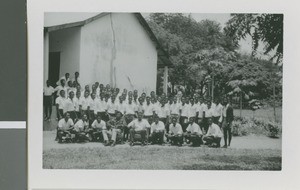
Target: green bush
[(242, 126)]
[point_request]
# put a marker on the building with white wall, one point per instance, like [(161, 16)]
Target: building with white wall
[(112, 48)]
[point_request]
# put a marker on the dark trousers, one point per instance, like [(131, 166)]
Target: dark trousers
[(61, 134), (196, 140), (91, 116), (48, 106), (157, 137), (73, 115), (211, 139), (182, 123), (128, 119), (164, 120), (60, 114), (227, 131), (205, 123), (142, 133), (175, 139), (216, 120)]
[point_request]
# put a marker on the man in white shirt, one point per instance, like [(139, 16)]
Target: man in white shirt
[(138, 126), (65, 129), (184, 113), (61, 87), (193, 133), (112, 107), (76, 79), (60, 105), (163, 113), (157, 131), (121, 106), (175, 134), (81, 127), (92, 107), (149, 109), (130, 114), (48, 94), (99, 130), (217, 112), (70, 106), (193, 109), (66, 78), (213, 135)]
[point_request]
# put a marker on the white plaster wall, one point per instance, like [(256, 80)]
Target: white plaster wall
[(67, 42), (133, 57)]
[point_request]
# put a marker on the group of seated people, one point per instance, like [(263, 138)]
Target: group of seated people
[(103, 113), (139, 130)]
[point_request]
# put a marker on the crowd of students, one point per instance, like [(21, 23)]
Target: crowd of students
[(106, 114)]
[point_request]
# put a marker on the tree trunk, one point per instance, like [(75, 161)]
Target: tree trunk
[(274, 102), (212, 87), (241, 103)]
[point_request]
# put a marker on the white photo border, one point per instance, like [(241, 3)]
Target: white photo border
[(288, 178)]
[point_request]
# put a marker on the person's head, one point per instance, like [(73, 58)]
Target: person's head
[(192, 101), (225, 101), (121, 99), (98, 118), (217, 101), (118, 115), (140, 116), (94, 87), (86, 93), (210, 121), (67, 75), (96, 84), (78, 94), (93, 95), (209, 104), (175, 101), (117, 90), (140, 100), (148, 99), (183, 100), (130, 100), (71, 95), (156, 118), (48, 83), (101, 95), (87, 87), (192, 120), (101, 86), (196, 100), (174, 120), (130, 93), (70, 84), (163, 102), (153, 100), (62, 82), (76, 74), (113, 98), (170, 101), (107, 86), (74, 84), (62, 93), (67, 116), (152, 93), (84, 117), (143, 95)]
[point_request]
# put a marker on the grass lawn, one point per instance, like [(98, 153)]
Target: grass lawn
[(162, 158)]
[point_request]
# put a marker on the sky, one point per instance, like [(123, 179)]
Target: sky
[(52, 19)]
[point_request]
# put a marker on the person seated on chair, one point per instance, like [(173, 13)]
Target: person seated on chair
[(65, 128), (81, 127), (138, 126), (213, 135), (99, 130), (117, 126), (193, 133), (175, 133), (157, 131)]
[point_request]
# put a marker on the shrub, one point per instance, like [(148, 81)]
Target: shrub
[(242, 126)]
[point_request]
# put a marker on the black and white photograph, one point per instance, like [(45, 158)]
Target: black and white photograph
[(162, 91)]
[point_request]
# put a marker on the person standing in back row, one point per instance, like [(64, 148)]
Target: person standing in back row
[(227, 118), (48, 94)]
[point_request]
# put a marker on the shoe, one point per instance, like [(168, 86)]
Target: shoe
[(225, 146), (131, 143), (180, 145), (113, 144), (106, 143)]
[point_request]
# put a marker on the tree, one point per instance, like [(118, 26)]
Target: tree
[(267, 28)]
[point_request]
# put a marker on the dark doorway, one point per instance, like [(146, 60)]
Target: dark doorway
[(54, 65)]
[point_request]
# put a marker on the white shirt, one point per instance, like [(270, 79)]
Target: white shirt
[(163, 112), (130, 108), (174, 109), (48, 91), (66, 80), (218, 110), (209, 113), (185, 110), (80, 125), (60, 88), (177, 129), (70, 105), (92, 104), (61, 102), (84, 102), (148, 109), (194, 128), (97, 125), (121, 107), (193, 110), (100, 105), (159, 126), (200, 110), (214, 130), (111, 108), (139, 125), (63, 125)]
